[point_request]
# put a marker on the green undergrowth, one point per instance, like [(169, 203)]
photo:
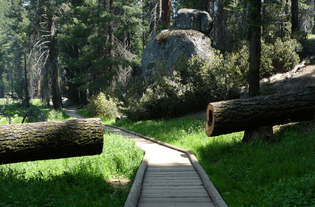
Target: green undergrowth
[(17, 112), (105, 119), (79, 181), (278, 173)]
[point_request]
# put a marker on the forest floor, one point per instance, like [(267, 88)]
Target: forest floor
[(290, 81)]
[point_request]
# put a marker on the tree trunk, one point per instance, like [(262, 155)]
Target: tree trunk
[(50, 140), (38, 87), (295, 15), (255, 56), (53, 64), (27, 101), (220, 31), (166, 12), (226, 117)]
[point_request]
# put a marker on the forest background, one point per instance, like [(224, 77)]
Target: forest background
[(90, 51)]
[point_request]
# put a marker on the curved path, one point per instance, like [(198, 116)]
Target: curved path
[(168, 175)]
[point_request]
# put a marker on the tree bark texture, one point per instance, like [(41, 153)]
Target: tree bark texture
[(255, 46), (53, 63), (225, 117), (295, 15), (166, 12), (27, 102), (50, 140)]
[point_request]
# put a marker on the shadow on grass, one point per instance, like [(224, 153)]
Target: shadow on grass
[(164, 130), (246, 173), (79, 187)]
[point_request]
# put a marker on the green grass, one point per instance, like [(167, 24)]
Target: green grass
[(105, 119), (280, 173), (80, 181), (311, 36), (84, 112), (16, 112)]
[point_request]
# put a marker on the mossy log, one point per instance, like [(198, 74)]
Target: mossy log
[(241, 114), (50, 140)]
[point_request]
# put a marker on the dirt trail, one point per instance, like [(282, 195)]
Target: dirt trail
[(286, 82)]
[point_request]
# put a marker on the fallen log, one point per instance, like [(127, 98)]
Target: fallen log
[(225, 117), (50, 140)]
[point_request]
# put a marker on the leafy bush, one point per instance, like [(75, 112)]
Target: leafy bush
[(196, 82), (101, 106), (279, 57)]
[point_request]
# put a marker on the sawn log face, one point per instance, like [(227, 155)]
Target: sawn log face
[(50, 140), (238, 115)]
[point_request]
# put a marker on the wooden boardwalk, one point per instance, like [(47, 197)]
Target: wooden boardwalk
[(168, 176), (169, 179)]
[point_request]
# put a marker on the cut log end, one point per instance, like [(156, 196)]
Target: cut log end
[(209, 125)]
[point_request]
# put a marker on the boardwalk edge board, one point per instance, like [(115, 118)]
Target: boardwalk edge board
[(135, 194), (135, 191)]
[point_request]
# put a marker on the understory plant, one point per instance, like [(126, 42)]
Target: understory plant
[(102, 105)]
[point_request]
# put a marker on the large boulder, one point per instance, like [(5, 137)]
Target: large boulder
[(194, 19), (166, 45)]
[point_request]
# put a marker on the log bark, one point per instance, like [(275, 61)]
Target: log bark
[(50, 140), (226, 117)]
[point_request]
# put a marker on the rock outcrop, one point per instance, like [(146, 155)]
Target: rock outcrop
[(194, 19), (166, 45)]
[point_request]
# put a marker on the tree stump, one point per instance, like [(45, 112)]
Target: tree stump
[(50, 140)]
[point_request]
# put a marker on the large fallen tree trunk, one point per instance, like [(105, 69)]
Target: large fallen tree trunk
[(241, 114), (50, 140)]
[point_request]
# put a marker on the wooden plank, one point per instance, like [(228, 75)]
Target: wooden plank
[(166, 192), (170, 169), (175, 200), (175, 188), (173, 194), (176, 205), (173, 182), (170, 178), (181, 174), (164, 164)]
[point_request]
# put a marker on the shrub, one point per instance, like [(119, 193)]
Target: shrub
[(279, 57), (102, 106), (196, 82)]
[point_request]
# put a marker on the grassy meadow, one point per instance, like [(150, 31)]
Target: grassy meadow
[(278, 173), (100, 180)]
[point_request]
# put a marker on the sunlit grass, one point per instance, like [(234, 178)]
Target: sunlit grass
[(310, 36), (105, 119), (84, 112), (79, 181), (245, 174)]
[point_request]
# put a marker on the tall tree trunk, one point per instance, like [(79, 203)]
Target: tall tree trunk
[(166, 12), (295, 15), (27, 102), (220, 28), (255, 56), (205, 6), (38, 87), (244, 21), (56, 97)]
